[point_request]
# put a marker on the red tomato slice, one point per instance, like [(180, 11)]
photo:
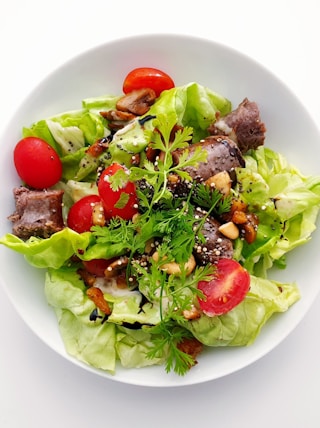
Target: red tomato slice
[(122, 202), (226, 289), (80, 216), (147, 77), (37, 163), (97, 266)]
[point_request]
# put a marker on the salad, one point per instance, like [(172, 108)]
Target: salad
[(158, 215)]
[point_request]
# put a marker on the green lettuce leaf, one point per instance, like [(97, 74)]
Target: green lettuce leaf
[(52, 252), (133, 348), (127, 142), (76, 190), (70, 138), (192, 105), (101, 103), (79, 166), (70, 134), (40, 129), (94, 342), (100, 344), (69, 131), (287, 204), (242, 325), (129, 309), (88, 341)]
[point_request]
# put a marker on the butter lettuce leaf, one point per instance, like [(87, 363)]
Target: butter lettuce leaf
[(287, 204), (242, 325), (100, 103), (133, 348), (128, 142), (70, 134), (192, 105), (51, 252), (69, 131), (88, 341), (100, 344)]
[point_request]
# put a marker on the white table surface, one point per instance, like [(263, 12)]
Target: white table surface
[(38, 388)]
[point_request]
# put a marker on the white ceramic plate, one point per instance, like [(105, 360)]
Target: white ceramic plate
[(99, 71)]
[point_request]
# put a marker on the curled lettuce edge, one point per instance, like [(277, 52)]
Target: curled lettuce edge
[(103, 344)]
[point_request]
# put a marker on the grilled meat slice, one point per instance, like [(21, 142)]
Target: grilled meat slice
[(223, 154), (216, 245), (38, 213), (243, 125)]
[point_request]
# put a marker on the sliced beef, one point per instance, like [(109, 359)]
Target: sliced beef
[(216, 245), (223, 154), (38, 213), (243, 125)]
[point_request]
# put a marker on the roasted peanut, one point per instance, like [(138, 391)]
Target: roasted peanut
[(173, 178), (239, 217), (238, 205), (249, 229), (192, 314)]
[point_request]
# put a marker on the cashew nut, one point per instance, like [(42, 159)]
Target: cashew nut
[(173, 268), (229, 230), (220, 181)]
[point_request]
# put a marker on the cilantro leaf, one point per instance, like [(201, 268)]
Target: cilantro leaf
[(167, 140), (119, 179)]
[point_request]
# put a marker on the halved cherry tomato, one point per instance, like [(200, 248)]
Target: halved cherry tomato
[(226, 289), (37, 163), (122, 202), (97, 266), (80, 216), (147, 77)]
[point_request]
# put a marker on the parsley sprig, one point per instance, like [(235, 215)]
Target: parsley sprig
[(174, 295), (173, 221), (172, 224), (156, 174)]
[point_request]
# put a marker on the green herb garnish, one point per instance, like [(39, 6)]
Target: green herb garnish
[(172, 225), (156, 174)]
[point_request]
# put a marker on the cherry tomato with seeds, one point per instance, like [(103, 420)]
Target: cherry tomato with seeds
[(37, 163), (147, 77), (118, 194), (80, 216), (227, 288)]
